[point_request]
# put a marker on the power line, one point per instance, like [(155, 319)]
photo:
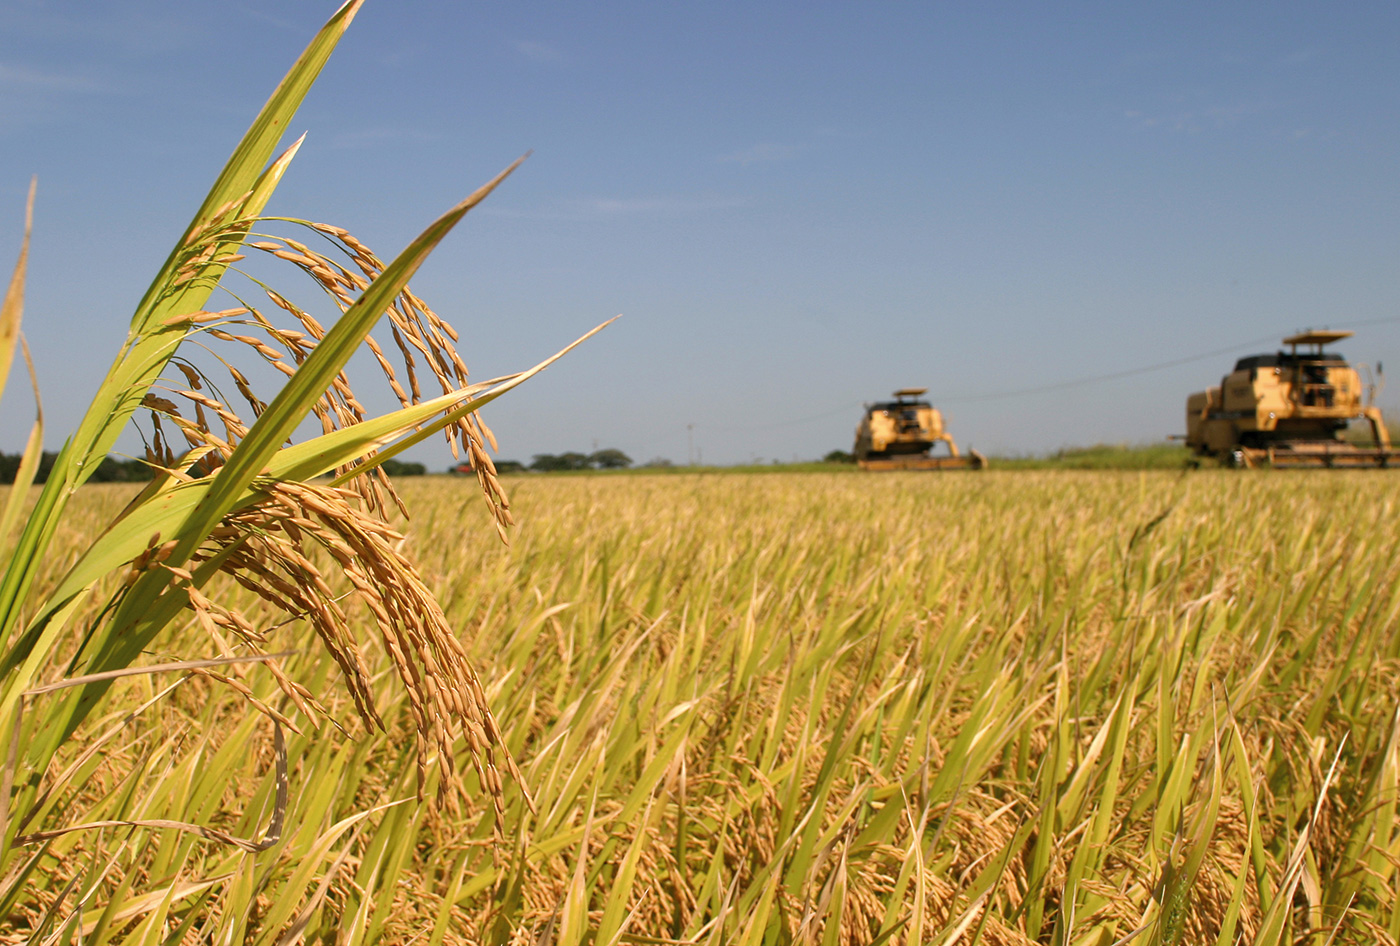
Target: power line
[(843, 409), (1027, 392), (1130, 372), (1111, 376)]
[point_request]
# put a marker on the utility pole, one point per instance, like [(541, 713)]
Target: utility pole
[(689, 444)]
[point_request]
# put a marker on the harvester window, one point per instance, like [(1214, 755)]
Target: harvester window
[(1316, 391)]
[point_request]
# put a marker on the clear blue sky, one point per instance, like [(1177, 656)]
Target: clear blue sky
[(796, 207)]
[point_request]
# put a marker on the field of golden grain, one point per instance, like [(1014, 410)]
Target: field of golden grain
[(1049, 707)]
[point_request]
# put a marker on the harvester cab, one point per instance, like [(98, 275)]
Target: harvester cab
[(1289, 409), (901, 434)]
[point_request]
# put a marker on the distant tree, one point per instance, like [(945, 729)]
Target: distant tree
[(9, 466), (403, 468), (549, 463), (839, 456), (609, 459), (502, 466), (662, 463)]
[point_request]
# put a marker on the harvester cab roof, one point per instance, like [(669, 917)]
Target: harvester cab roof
[(1318, 337), (904, 397)]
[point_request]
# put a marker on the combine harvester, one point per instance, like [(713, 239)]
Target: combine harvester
[(1289, 409), (899, 435)]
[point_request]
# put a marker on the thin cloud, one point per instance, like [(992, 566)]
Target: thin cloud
[(628, 206), (1264, 117), (124, 27), (598, 208), (375, 137), (280, 23), (539, 52), (61, 82), (1194, 120), (762, 154)]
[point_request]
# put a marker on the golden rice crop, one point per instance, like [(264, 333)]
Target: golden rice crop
[(825, 708), (247, 705)]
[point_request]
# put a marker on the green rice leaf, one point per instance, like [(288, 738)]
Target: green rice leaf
[(28, 461), (301, 391), (12, 309), (182, 286)]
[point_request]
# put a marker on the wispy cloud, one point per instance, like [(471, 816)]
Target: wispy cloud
[(382, 135), (626, 206), (762, 154), (137, 29), (600, 208), (539, 52), (1260, 117), (33, 78), (278, 22), (1194, 120)]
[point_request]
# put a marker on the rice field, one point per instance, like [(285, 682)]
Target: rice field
[(1012, 707)]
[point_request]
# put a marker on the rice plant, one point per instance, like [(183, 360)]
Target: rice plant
[(1017, 708), (236, 497)]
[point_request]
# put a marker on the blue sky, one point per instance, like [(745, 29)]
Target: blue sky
[(795, 207)]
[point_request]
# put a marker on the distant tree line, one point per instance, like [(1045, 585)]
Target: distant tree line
[(403, 468), (609, 459), (117, 470), (110, 470)]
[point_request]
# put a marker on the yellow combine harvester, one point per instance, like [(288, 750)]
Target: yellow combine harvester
[(1288, 409), (899, 435)]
